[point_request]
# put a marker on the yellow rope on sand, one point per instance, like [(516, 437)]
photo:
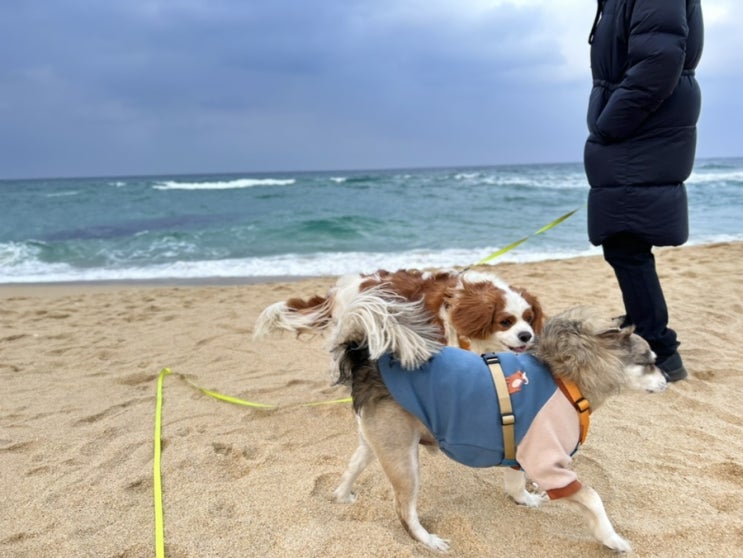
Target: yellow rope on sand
[(157, 482), (157, 474)]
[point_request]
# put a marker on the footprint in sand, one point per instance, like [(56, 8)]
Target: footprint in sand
[(238, 462)]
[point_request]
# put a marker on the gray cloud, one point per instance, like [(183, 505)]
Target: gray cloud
[(140, 87)]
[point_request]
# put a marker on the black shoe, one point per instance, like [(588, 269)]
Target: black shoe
[(672, 367)]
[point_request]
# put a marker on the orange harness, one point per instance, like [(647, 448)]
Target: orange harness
[(581, 404)]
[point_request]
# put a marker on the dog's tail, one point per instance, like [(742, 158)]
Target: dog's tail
[(384, 322), (295, 315)]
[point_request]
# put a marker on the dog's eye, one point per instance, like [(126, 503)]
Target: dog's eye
[(647, 359), (506, 323)]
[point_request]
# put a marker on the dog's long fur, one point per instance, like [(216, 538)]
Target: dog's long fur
[(473, 310), (596, 354)]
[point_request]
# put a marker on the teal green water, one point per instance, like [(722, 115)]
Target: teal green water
[(314, 223)]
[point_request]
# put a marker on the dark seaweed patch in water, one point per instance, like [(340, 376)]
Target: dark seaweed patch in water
[(338, 227), (131, 228)]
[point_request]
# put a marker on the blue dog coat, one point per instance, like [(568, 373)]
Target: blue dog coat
[(453, 395)]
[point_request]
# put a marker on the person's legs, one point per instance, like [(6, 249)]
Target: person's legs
[(634, 266)]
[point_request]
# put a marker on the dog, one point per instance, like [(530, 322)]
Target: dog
[(472, 310), (576, 346)]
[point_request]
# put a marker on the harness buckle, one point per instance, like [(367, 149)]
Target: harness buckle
[(490, 358), (582, 405)]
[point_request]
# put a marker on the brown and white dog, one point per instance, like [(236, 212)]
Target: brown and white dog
[(472, 310), (575, 346)]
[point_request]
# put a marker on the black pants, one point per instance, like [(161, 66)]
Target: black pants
[(634, 265)]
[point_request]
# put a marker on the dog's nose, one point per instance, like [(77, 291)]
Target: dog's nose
[(524, 336)]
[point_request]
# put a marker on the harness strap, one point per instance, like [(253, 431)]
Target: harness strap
[(580, 403), (508, 420)]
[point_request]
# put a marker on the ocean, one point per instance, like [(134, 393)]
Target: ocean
[(250, 225)]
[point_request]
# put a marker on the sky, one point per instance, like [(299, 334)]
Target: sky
[(138, 87)]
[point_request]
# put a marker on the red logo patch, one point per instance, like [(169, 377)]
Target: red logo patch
[(515, 381)]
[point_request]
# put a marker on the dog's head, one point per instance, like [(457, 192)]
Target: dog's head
[(489, 315), (639, 364), (598, 356)]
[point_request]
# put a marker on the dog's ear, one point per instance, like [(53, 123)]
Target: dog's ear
[(617, 331), (618, 335), (538, 317)]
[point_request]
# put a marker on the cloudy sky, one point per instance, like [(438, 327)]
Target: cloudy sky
[(121, 87)]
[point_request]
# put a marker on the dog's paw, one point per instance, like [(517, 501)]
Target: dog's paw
[(530, 499), (618, 544), (434, 542), (343, 497)]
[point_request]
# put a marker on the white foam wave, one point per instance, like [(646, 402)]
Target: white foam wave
[(18, 264), (226, 185), (547, 179), (13, 254), (63, 194), (292, 265), (338, 179), (717, 176)]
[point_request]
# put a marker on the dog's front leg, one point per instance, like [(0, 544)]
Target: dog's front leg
[(360, 459), (514, 481), (593, 509)]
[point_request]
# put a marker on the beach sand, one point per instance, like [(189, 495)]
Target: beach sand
[(78, 377)]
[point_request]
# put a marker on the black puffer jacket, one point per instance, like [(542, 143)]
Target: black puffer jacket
[(642, 117)]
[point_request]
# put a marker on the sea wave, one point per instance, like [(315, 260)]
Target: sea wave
[(290, 265), (541, 179), (63, 194), (363, 179), (727, 163), (715, 175), (20, 266), (719, 178), (14, 254), (224, 185)]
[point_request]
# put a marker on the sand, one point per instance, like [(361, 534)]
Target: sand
[(78, 377)]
